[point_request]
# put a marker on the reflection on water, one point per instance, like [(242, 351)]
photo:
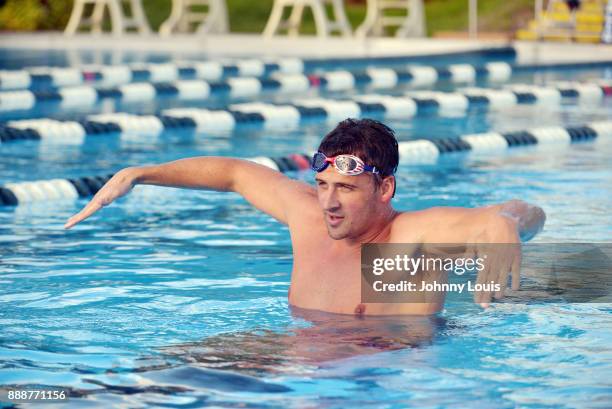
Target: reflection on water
[(251, 361), (565, 272), (330, 337)]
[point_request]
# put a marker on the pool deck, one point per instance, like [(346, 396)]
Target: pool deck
[(252, 45)]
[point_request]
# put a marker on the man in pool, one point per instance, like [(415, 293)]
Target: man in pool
[(350, 205)]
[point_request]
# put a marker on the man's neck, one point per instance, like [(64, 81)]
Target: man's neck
[(379, 232)]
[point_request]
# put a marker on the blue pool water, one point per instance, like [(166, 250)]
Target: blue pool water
[(178, 298)]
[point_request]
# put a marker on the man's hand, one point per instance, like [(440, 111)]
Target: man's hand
[(119, 185), (500, 246)]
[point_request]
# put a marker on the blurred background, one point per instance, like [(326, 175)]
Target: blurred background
[(581, 21)]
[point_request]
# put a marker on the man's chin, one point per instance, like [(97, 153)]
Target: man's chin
[(336, 234)]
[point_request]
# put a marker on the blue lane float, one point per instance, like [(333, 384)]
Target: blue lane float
[(186, 90), (288, 84), (248, 87), (416, 76), (45, 77), (411, 152), (109, 75), (290, 115)]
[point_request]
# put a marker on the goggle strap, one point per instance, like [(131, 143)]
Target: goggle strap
[(371, 169)]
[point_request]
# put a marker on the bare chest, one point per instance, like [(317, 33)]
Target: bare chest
[(325, 280), (326, 277)]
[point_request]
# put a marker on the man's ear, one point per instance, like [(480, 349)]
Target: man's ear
[(388, 188)]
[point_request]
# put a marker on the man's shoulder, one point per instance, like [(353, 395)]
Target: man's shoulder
[(408, 226), (297, 194), (418, 225), (304, 205), (417, 216), (434, 213), (301, 193), (441, 224)]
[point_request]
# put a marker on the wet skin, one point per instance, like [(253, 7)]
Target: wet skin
[(330, 221)]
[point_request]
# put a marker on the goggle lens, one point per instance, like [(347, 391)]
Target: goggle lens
[(346, 163), (319, 162)]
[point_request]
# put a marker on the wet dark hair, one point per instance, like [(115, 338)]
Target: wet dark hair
[(370, 140)]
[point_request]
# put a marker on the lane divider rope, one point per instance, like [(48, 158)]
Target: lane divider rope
[(288, 116), (212, 70), (247, 87), (51, 77), (411, 152)]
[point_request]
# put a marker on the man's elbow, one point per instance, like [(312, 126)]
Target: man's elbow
[(530, 218), (540, 216), (241, 173)]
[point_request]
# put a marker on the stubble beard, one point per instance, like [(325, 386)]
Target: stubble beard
[(342, 232)]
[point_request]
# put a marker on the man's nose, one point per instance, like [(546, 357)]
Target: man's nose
[(330, 200)]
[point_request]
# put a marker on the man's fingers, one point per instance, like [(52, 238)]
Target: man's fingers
[(483, 277), (496, 272), (505, 268), (516, 270), (502, 280), (92, 207), (497, 269), (117, 186)]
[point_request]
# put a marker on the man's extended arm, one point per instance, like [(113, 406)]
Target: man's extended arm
[(496, 230), (493, 224), (268, 190)]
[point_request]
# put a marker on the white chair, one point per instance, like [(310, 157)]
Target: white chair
[(411, 25), (182, 17), (119, 22), (323, 25)]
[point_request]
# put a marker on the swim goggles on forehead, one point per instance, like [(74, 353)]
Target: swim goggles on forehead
[(350, 165)]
